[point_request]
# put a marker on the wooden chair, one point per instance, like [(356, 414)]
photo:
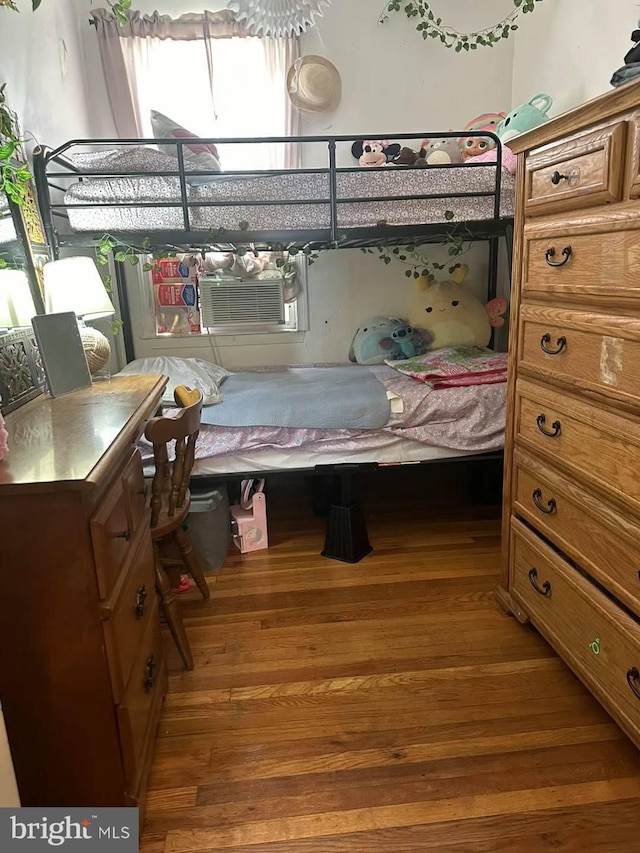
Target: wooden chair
[(170, 502)]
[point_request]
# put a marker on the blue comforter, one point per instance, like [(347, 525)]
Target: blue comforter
[(347, 397)]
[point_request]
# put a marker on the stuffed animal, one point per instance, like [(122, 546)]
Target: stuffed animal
[(473, 146), (525, 117), (453, 316), (439, 152), (407, 341), (379, 338), (245, 266), (374, 152), (409, 157)]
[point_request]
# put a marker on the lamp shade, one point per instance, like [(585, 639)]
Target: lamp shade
[(16, 302), (74, 284)]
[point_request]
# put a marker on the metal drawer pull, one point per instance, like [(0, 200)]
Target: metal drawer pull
[(150, 673), (545, 589), (566, 254), (633, 677), (556, 427), (561, 344), (141, 601), (550, 508), (557, 177), (126, 535)]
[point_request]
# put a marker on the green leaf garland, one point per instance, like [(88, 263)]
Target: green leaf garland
[(429, 25)]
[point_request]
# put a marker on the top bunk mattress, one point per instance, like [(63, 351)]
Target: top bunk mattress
[(291, 200)]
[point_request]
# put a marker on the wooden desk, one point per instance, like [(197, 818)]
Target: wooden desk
[(82, 675)]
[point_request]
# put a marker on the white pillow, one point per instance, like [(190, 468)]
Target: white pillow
[(200, 155), (193, 372)]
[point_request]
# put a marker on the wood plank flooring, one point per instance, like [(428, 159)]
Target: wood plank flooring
[(387, 705)]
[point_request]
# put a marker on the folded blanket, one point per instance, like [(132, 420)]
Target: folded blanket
[(348, 397), (455, 366)]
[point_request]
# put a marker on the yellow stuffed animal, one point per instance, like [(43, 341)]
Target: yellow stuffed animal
[(453, 316)]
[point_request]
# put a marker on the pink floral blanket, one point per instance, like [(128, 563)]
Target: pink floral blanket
[(451, 367)]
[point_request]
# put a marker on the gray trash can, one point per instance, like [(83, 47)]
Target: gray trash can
[(210, 526)]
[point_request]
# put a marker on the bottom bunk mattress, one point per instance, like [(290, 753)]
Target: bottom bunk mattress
[(365, 198), (420, 424)]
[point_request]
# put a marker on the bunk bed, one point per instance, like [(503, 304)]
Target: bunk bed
[(154, 202)]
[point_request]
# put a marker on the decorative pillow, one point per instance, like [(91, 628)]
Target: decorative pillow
[(199, 154), (193, 372)]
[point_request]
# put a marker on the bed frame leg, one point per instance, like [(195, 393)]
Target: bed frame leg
[(347, 539)]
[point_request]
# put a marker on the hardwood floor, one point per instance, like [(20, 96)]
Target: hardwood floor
[(387, 705)]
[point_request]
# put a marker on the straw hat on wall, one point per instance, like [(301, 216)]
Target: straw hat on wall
[(314, 84)]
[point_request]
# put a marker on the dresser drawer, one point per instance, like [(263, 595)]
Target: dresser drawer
[(602, 541), (597, 446), (144, 692), (575, 173), (633, 173), (584, 350), (595, 636), (583, 266), (116, 522), (127, 619), (136, 491)]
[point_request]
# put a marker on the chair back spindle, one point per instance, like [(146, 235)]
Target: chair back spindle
[(170, 485)]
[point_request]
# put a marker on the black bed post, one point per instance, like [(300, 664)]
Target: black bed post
[(44, 199), (125, 313), (508, 241), (492, 285)]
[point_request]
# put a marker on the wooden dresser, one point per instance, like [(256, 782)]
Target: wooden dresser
[(571, 528), (83, 674)]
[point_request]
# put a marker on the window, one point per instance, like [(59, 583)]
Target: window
[(224, 302), (235, 89)]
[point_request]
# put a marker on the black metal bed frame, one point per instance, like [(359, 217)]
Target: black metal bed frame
[(346, 533), (52, 168)]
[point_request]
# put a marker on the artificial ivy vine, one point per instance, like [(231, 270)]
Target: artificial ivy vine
[(432, 26), (418, 264), (14, 175)]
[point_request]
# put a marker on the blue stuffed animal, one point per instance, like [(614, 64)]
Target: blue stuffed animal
[(382, 338), (407, 341)]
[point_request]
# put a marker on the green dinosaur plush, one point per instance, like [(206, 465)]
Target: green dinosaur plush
[(524, 117)]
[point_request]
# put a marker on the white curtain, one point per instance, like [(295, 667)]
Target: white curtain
[(230, 86)]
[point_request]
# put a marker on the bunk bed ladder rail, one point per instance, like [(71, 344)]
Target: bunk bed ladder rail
[(333, 190)]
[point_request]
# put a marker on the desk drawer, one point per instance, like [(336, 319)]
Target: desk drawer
[(583, 350), (126, 624), (116, 522), (602, 541), (576, 173), (596, 638), (598, 446), (583, 266), (146, 685)]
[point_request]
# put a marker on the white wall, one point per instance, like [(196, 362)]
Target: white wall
[(44, 65), (570, 48)]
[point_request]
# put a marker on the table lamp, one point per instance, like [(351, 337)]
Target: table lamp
[(16, 301), (74, 284)]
